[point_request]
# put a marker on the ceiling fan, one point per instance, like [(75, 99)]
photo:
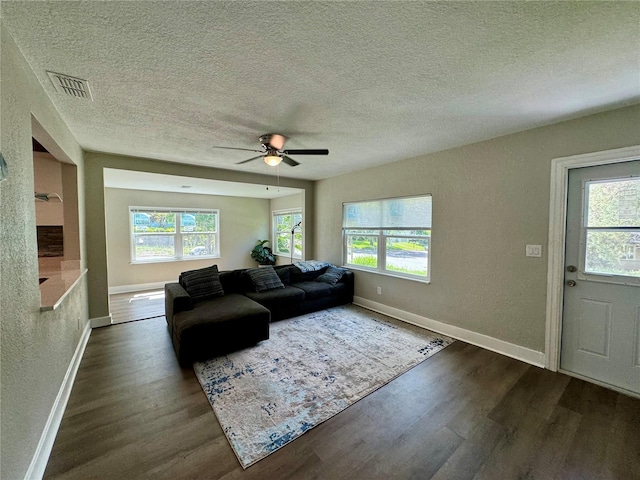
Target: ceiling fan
[(272, 151)]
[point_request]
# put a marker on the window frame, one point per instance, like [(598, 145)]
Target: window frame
[(585, 229), (275, 234), (178, 235), (383, 234)]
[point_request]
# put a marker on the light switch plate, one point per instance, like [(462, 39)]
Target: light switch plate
[(534, 251)]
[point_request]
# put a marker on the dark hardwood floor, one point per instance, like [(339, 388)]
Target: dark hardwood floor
[(127, 307), (464, 413)]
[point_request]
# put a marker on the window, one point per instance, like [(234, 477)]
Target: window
[(284, 221), (162, 235), (611, 228), (390, 236)]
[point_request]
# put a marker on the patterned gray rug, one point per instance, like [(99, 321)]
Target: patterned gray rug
[(311, 368)]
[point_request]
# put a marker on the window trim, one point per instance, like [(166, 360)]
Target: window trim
[(274, 243), (177, 235), (601, 277), (379, 232)]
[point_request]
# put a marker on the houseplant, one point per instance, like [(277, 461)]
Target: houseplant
[(263, 254)]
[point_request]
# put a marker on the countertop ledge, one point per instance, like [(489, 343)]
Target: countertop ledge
[(57, 286)]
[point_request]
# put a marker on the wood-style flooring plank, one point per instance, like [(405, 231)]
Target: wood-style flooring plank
[(127, 307), (465, 413)]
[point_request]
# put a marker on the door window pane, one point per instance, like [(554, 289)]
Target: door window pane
[(613, 253), (612, 227), (614, 203)]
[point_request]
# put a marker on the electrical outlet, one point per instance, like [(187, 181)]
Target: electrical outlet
[(534, 250), (379, 290)]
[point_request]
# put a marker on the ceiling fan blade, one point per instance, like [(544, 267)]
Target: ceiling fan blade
[(243, 149), (249, 160), (306, 152), (290, 161)]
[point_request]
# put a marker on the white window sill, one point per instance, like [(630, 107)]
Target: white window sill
[(387, 274), (287, 256), (170, 260)]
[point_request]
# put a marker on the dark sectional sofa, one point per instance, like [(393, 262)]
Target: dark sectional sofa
[(203, 328)]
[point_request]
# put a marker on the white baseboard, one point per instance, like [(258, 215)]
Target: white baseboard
[(100, 321), (45, 445), (139, 287), (512, 350)]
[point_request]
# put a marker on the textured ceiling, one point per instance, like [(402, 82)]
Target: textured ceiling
[(374, 82), (131, 180)]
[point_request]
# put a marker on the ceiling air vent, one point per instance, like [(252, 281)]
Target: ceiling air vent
[(75, 87)]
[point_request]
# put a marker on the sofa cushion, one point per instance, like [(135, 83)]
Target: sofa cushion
[(202, 283), (313, 290), (264, 278), (228, 308), (332, 275), (219, 325), (230, 283), (277, 296), (284, 272)]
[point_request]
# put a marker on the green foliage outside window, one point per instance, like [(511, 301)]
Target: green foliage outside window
[(612, 204), (283, 224), (169, 235)]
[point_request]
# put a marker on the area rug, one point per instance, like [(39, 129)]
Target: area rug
[(311, 368)]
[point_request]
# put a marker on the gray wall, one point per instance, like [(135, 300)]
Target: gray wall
[(242, 222), (36, 347), (490, 199), (95, 219)]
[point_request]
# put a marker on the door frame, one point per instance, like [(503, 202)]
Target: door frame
[(557, 236)]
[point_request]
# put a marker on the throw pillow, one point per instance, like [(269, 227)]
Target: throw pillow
[(332, 275), (264, 278), (284, 275), (202, 283)]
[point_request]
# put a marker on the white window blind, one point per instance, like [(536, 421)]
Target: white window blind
[(392, 213)]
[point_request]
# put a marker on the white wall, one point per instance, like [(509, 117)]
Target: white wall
[(242, 222), (490, 199), (37, 347)]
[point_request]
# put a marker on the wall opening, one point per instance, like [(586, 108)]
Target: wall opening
[(55, 183)]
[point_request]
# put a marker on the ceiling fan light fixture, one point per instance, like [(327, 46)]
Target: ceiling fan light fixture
[(272, 151), (272, 160)]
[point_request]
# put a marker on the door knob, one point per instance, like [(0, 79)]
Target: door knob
[(571, 283)]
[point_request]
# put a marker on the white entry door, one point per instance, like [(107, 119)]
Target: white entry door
[(601, 316)]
